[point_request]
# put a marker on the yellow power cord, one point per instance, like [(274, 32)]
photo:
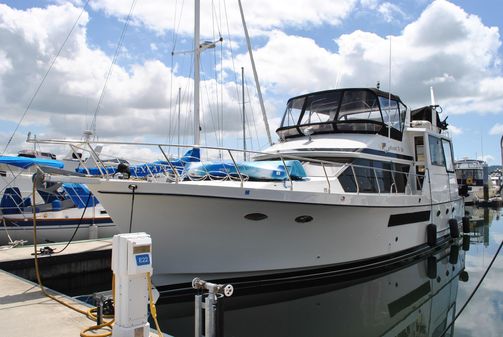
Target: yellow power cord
[(90, 312), (153, 310)]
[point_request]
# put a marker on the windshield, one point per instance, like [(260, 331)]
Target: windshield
[(349, 110)]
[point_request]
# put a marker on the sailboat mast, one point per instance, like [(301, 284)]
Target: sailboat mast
[(257, 84), (197, 60), (244, 118), (179, 110)]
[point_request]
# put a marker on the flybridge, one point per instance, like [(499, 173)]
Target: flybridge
[(367, 110)]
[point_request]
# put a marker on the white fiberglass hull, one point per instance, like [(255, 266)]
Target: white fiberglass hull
[(57, 226), (202, 230)]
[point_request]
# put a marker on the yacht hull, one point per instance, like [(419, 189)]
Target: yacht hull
[(205, 231), (55, 228)]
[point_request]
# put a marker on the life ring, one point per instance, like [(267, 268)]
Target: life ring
[(469, 181)]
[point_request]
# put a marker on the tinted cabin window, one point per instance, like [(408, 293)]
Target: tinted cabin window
[(366, 177), (384, 175), (374, 177), (449, 160), (400, 174), (436, 152)]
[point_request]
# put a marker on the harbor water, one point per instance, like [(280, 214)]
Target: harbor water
[(419, 298)]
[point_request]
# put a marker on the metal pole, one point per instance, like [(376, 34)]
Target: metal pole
[(501, 150), (198, 318), (197, 61), (259, 92), (244, 120), (210, 315), (179, 107), (209, 305)]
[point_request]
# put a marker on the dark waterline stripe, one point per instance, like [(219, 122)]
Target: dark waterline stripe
[(408, 218), (409, 299)]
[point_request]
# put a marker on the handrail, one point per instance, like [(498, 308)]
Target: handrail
[(177, 177), (326, 176), (74, 151), (237, 168), (225, 171), (96, 158), (287, 173), (391, 188), (377, 181), (356, 180)]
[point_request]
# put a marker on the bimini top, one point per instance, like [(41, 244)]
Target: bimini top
[(24, 162), (359, 110)]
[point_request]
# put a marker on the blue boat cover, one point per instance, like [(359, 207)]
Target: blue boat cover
[(79, 194), (12, 202), (24, 162), (256, 170), (143, 170)]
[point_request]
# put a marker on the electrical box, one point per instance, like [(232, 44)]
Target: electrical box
[(131, 261)]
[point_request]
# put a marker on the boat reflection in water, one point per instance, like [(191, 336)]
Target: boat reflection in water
[(481, 219), (418, 299)]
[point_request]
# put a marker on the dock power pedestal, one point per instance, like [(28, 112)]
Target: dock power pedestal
[(131, 261)]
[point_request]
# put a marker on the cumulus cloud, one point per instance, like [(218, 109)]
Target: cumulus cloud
[(138, 98), (445, 47), (454, 130), (487, 158), (497, 129), (261, 15)]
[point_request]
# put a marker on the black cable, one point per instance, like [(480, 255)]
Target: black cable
[(114, 60), (473, 292), (78, 226), (133, 188)]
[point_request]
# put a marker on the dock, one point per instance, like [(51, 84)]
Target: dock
[(75, 268), (25, 310)]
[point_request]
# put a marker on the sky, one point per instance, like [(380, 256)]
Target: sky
[(299, 46)]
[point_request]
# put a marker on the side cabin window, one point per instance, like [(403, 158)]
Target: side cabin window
[(371, 176), (449, 158), (436, 151), (441, 153)]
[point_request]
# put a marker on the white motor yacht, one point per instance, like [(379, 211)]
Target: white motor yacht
[(474, 174), (357, 178)]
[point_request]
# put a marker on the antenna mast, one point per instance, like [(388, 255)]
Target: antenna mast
[(257, 84), (244, 116), (197, 60)]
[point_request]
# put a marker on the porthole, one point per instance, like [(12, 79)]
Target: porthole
[(255, 216), (438, 213), (447, 211), (304, 218)]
